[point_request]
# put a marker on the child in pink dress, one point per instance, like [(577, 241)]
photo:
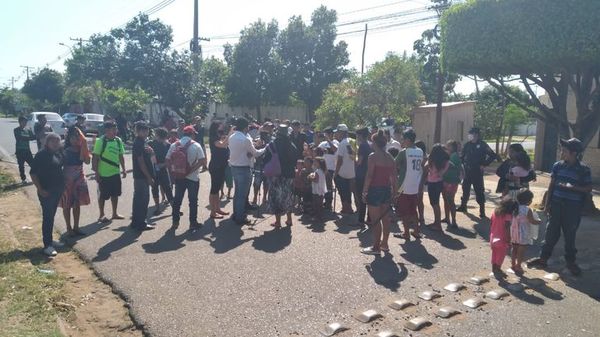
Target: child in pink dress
[(500, 233), (522, 229)]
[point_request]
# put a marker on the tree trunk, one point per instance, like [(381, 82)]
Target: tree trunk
[(258, 114), (508, 142)]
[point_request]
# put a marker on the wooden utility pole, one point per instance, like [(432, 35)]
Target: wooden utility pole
[(79, 41), (12, 83), (195, 42), (27, 70), (362, 64)]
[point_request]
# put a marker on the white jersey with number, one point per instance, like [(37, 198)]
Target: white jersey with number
[(414, 170)]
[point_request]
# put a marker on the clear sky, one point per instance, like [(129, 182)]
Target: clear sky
[(31, 30)]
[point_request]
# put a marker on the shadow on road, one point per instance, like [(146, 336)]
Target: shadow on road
[(446, 240), (227, 236), (274, 240), (386, 272), (168, 242), (128, 237), (417, 254)]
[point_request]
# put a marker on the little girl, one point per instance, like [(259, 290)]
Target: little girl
[(319, 187), (500, 233), (521, 230)]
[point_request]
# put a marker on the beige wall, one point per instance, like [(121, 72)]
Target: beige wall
[(456, 121)]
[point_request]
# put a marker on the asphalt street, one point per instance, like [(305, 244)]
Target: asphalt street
[(223, 280)]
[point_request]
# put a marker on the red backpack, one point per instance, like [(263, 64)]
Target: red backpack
[(179, 167)]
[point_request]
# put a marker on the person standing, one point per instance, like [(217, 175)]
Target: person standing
[(185, 157), (241, 151), (143, 177), (162, 182), (344, 174), (281, 196), (409, 164), (329, 146), (377, 191), (80, 123), (219, 155), (364, 150), (22, 150), (108, 157), (41, 129), (76, 192), (199, 137), (47, 176), (570, 184), (122, 127), (476, 155), (437, 164), (298, 138)]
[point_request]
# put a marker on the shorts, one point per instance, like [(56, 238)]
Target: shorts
[(406, 207), (259, 177), (450, 189), (379, 196), (434, 190), (110, 187)]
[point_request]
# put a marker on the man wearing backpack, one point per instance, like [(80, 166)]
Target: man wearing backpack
[(184, 159), (107, 158)]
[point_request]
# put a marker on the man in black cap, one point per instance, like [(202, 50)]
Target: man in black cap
[(476, 155), (571, 183)]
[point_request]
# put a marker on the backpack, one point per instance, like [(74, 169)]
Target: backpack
[(273, 167), (179, 167)]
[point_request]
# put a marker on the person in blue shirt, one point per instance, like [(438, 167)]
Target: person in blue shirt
[(571, 182)]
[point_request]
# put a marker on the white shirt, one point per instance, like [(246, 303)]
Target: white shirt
[(319, 187), (412, 178), (344, 153), (240, 146), (194, 153), (393, 144), (330, 159)]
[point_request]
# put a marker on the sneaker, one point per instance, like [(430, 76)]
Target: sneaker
[(370, 251), (50, 251), (538, 263), (462, 208), (574, 269)]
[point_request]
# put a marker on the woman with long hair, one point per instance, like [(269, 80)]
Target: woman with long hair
[(218, 139), (437, 165), (379, 188), (76, 194), (281, 197)]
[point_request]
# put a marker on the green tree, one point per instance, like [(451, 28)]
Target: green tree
[(97, 60), (214, 73), (13, 101), (46, 89), (340, 105), (124, 101), (493, 39), (312, 59), (256, 76)]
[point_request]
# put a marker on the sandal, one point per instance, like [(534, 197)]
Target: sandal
[(117, 217), (370, 251), (384, 248), (103, 220), (222, 212), (216, 216), (417, 235)]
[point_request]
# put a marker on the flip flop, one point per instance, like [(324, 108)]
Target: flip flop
[(370, 251), (275, 225), (416, 235), (118, 217), (103, 220), (222, 213), (216, 216)]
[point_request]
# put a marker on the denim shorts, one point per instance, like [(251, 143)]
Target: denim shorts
[(378, 196)]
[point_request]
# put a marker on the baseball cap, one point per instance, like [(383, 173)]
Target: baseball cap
[(189, 130), (573, 145), (341, 127)]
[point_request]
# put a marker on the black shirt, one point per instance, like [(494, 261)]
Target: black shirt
[(48, 167), (477, 154), (160, 150), (141, 148), (299, 139)]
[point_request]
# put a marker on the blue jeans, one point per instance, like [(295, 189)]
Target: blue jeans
[(49, 205), (565, 215), (141, 198), (182, 185), (242, 179)]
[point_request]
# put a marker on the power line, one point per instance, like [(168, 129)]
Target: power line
[(375, 7), (409, 12)]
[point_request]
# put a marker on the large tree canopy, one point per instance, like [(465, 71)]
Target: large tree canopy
[(554, 44), (45, 88)]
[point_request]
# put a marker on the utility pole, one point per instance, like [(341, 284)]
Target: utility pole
[(79, 41), (12, 83), (195, 42), (27, 70), (362, 64)]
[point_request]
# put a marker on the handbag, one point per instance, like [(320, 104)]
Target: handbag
[(273, 167)]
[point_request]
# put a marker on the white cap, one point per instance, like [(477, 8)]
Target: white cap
[(341, 127)]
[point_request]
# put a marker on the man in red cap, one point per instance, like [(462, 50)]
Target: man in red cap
[(186, 156)]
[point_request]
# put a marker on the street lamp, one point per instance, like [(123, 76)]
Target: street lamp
[(65, 45)]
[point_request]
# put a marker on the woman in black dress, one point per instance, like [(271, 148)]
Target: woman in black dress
[(218, 139)]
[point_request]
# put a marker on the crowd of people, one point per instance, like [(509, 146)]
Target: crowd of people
[(380, 175)]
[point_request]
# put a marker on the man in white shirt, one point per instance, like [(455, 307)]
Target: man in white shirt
[(241, 154), (329, 147), (344, 170), (196, 159)]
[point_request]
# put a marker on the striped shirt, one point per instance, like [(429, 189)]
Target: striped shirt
[(578, 174)]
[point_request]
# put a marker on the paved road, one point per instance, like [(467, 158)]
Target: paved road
[(255, 281)]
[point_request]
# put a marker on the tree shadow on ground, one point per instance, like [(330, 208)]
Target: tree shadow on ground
[(386, 272), (417, 254), (128, 237), (274, 240)]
